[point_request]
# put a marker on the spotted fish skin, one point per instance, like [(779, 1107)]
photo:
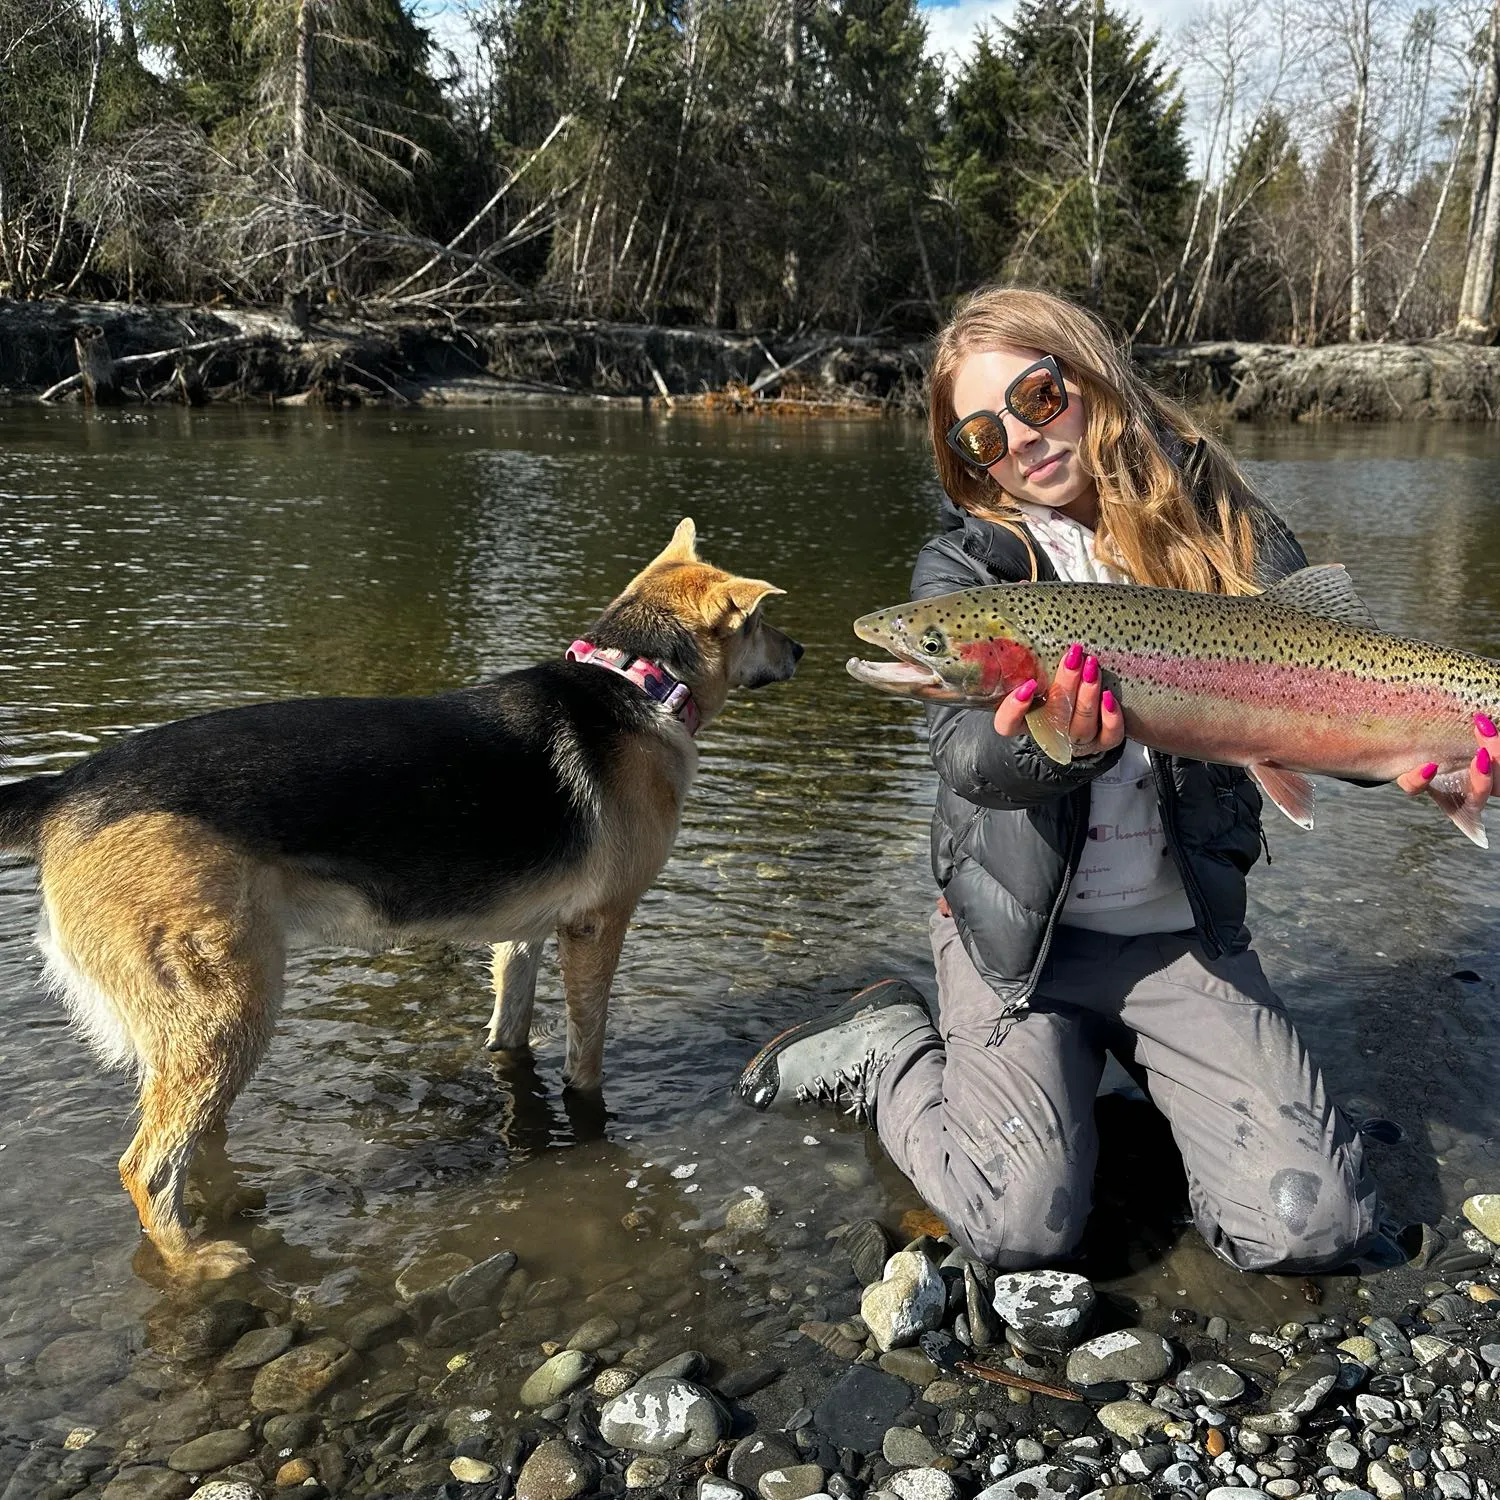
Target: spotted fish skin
[(1248, 681)]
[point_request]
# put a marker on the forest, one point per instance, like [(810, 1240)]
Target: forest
[(1273, 170)]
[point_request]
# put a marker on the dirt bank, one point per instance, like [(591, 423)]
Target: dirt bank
[(343, 356)]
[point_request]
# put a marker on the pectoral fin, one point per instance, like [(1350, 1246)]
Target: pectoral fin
[(1291, 791), (1054, 742), (1452, 792)]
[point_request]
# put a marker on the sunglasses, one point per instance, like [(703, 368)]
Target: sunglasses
[(1036, 396)]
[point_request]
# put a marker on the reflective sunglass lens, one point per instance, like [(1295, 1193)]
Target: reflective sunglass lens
[(1038, 398), (983, 439)]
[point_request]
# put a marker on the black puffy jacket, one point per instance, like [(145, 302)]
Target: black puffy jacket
[(1010, 824)]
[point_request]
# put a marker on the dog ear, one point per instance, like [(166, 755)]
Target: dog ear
[(684, 544), (742, 595)]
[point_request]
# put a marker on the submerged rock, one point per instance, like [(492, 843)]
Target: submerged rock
[(300, 1376), (554, 1379), (556, 1470)]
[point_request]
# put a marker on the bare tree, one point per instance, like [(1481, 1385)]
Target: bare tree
[(1475, 320)]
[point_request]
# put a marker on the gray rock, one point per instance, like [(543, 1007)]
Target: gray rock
[(1131, 1420), (1303, 1388), (690, 1364), (646, 1471), (258, 1347), (856, 1410), (659, 1415), (748, 1379), (78, 1359), (757, 1455), (375, 1326), (1043, 1482), (480, 1284), (294, 1429), (430, 1274), (1390, 1338), (1377, 1411), (1049, 1309), (214, 1450), (794, 1483), (1274, 1423), (595, 1334), (1131, 1354), (1180, 1476), (1231, 1492), (553, 1380), (1453, 1486), (183, 1417), (205, 1330), (906, 1302), (985, 1327), (711, 1487), (1343, 1455), (556, 1470), (922, 1484), (907, 1448), (1283, 1489), (1029, 1451), (301, 1375), (1383, 1482), (1211, 1381), (867, 1247), (1427, 1347), (1490, 1354), (749, 1215), (911, 1365), (146, 1482)]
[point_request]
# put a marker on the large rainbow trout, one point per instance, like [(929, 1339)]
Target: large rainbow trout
[(1295, 681)]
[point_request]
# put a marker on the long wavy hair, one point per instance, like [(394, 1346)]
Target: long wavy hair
[(1160, 525)]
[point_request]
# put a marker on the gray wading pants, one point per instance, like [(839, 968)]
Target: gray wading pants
[(1000, 1140)]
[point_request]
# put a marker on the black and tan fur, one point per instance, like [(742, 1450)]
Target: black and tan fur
[(179, 865)]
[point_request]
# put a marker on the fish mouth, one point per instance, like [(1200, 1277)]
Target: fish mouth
[(906, 677)]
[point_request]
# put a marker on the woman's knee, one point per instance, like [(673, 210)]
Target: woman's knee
[(1030, 1221), (1307, 1221)]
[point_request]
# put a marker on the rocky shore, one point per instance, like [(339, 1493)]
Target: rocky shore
[(339, 356), (879, 1373)]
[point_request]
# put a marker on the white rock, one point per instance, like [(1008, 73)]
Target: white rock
[(908, 1300)]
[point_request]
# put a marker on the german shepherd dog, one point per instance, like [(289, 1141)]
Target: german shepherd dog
[(179, 865)]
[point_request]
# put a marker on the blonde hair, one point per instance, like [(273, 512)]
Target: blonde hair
[(1151, 522)]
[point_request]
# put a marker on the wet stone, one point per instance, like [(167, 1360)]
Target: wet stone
[(1305, 1387), (910, 1365), (1131, 1420), (1483, 1212), (182, 1418), (1233, 1492), (908, 1300), (711, 1487), (258, 1347), (1366, 1351), (214, 1450), (595, 1334), (226, 1489), (375, 1326), (147, 1482), (472, 1471), (794, 1483), (294, 1471), (659, 1415), (292, 1430), (985, 1326), (922, 1484), (206, 1330), (1426, 1348), (1131, 1354), (690, 1364), (907, 1448), (554, 1379), (758, 1455), (555, 1471), (1049, 1309), (82, 1359), (1211, 1381), (1041, 1482), (645, 1472), (1343, 1455), (748, 1379), (480, 1284), (611, 1382), (298, 1377), (461, 1327), (857, 1409), (430, 1274), (867, 1247), (750, 1215)]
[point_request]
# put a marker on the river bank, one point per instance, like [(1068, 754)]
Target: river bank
[(338, 356)]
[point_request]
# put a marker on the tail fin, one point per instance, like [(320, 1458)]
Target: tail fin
[(22, 804)]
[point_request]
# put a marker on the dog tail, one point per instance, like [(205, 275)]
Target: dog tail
[(22, 806)]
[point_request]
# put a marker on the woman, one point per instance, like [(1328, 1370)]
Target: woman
[(1099, 905)]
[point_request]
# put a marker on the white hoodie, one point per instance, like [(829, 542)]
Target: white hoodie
[(1127, 882)]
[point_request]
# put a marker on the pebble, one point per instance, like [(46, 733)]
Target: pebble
[(1049, 1309), (911, 1365), (301, 1375), (1490, 1354), (556, 1470), (643, 1473), (1183, 1476), (1383, 1483), (856, 1410), (472, 1471), (1283, 1489), (752, 1215), (1483, 1212), (909, 1299), (1366, 1351), (748, 1379), (867, 1247), (758, 1455), (82, 1359), (1211, 1381), (1303, 1388), (226, 1489), (258, 1347), (1044, 1482), (1131, 1420), (146, 1482), (663, 1415), (1131, 1354), (711, 1487), (795, 1483), (375, 1326), (294, 1471), (611, 1381), (478, 1285), (1231, 1492), (214, 1450), (553, 1380), (595, 1334), (1426, 1347), (907, 1448), (922, 1484)]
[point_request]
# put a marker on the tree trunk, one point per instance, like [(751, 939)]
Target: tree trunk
[(96, 365), (1359, 46), (302, 104), (127, 31), (1475, 302)]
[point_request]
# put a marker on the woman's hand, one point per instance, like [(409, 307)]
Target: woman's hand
[(1097, 723), (1484, 769)]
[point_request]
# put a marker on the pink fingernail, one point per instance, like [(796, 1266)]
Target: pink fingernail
[(1108, 701), (1091, 670), (1428, 771), (1482, 761), (1026, 689), (1074, 656), (1485, 725)]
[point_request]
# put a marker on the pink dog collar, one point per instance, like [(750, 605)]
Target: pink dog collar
[(651, 677)]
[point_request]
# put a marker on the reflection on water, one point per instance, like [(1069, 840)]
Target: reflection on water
[(162, 564)]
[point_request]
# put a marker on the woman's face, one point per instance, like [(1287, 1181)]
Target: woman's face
[(1042, 464)]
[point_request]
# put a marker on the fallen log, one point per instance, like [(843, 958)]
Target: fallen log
[(69, 382)]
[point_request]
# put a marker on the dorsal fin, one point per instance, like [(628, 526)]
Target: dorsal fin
[(1324, 590)]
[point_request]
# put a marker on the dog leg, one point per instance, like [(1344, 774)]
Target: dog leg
[(514, 969), (589, 950)]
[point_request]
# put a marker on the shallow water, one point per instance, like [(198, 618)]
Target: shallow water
[(161, 564)]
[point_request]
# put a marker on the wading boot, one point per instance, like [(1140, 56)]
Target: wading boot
[(838, 1058)]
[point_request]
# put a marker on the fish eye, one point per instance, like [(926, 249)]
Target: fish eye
[(932, 643)]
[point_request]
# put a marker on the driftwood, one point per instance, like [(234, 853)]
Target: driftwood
[(1018, 1382), (777, 375), (69, 382), (96, 367)]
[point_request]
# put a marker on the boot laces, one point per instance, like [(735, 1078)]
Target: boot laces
[(850, 1089)]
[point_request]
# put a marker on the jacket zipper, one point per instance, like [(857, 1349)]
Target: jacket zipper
[(1166, 796)]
